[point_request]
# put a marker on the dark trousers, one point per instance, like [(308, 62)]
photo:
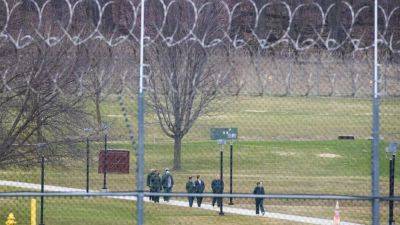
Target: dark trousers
[(199, 200), (191, 201), (156, 198), (167, 190), (260, 206), (217, 200), (151, 197)]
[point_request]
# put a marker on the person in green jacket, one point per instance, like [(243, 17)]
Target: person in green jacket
[(217, 187), (190, 188), (155, 185), (148, 180)]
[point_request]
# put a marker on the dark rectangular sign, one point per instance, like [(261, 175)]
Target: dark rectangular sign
[(224, 133), (116, 161)]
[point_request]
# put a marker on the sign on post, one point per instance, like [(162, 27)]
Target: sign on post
[(224, 133), (117, 161)]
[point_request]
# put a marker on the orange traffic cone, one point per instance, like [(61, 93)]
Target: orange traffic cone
[(336, 217)]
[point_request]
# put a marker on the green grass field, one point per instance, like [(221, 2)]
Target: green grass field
[(285, 167), (271, 118), (289, 143)]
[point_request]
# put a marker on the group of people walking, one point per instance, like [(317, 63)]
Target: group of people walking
[(157, 184), (165, 183), (196, 186)]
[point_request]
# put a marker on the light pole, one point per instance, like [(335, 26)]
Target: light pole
[(40, 149), (221, 142), (391, 150), (231, 171), (105, 130), (221, 135), (232, 134), (87, 131)]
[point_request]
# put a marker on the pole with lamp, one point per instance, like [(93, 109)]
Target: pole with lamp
[(40, 150), (87, 131), (232, 135), (221, 135), (391, 150), (230, 171), (105, 130), (221, 143)]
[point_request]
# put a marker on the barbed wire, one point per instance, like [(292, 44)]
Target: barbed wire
[(22, 30), (39, 25)]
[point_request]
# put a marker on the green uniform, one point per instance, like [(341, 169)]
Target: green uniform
[(149, 178), (190, 188), (155, 186), (148, 181), (217, 187)]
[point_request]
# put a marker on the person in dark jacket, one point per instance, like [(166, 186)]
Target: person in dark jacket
[(190, 188), (155, 185), (259, 190), (152, 172), (167, 182), (200, 186), (217, 186)]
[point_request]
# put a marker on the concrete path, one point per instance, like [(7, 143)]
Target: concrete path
[(232, 210)]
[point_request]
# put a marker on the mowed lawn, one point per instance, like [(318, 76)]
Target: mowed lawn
[(270, 118), (286, 167), (106, 211), (300, 170), (289, 143)]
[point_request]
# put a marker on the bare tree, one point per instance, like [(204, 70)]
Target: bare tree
[(186, 77), (237, 78), (354, 76), (96, 68), (183, 82), (289, 79), (332, 84), (261, 76), (309, 84), (37, 100)]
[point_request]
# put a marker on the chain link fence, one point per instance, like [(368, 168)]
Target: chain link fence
[(289, 83)]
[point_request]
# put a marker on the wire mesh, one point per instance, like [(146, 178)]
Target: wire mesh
[(295, 78)]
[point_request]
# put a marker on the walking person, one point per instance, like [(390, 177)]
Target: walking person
[(148, 181), (155, 185), (259, 190), (190, 188), (200, 186), (217, 186), (167, 182)]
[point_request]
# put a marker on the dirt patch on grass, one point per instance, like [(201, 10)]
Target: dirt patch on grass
[(114, 115), (283, 153), (255, 111), (329, 155)]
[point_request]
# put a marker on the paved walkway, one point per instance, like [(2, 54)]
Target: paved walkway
[(232, 210)]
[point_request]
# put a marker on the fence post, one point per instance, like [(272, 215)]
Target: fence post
[(33, 211), (140, 151), (375, 127)]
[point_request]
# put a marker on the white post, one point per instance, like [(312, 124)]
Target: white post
[(140, 149), (141, 45), (375, 128), (376, 65)]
